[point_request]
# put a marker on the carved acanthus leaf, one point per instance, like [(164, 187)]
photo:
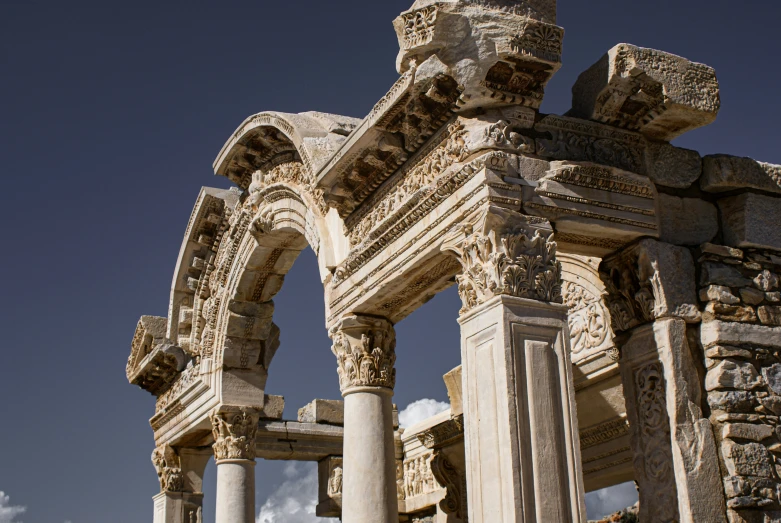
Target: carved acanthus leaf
[(234, 434), (365, 350), (169, 470)]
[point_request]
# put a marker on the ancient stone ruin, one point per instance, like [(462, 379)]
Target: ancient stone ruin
[(621, 311)]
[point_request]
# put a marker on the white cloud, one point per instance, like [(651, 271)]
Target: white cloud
[(419, 410), (601, 503), (7, 511), (293, 501)]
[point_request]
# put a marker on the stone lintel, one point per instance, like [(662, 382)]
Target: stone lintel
[(292, 440)]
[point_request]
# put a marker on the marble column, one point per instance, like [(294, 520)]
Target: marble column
[(234, 432), (365, 351), (521, 436)]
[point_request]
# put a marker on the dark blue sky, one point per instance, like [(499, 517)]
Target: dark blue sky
[(110, 117)]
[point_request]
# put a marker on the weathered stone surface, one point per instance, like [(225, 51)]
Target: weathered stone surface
[(773, 297), (687, 221), (751, 220), (721, 250), (766, 281), (732, 401), (718, 293), (772, 403), (672, 166), (721, 274), (732, 374), (772, 375), (752, 296), (722, 352), (769, 315), (657, 93), (722, 172), (719, 332), (752, 459), (273, 407), (750, 431), (322, 411), (720, 311)]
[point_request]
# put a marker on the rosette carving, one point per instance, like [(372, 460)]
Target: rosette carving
[(504, 254), (234, 434), (169, 470), (365, 350)]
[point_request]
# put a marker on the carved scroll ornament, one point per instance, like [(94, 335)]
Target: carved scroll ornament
[(234, 434), (365, 350)]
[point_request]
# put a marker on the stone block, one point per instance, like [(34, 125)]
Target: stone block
[(715, 273), (773, 297), (687, 221), (657, 93), (718, 293), (719, 332), (330, 412), (720, 311), (732, 374), (241, 352), (749, 431), (273, 407), (751, 220), (672, 166), (772, 375), (453, 384), (752, 459), (721, 352), (766, 281), (772, 403), (721, 250), (732, 401), (722, 172), (751, 296), (769, 315)]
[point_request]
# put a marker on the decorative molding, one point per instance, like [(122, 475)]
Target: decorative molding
[(449, 477), (604, 432), (234, 434), (418, 27), (632, 288), (169, 469), (443, 434), (365, 350)]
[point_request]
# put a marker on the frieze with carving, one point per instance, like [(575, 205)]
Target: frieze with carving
[(418, 477), (365, 350), (631, 289), (234, 434), (587, 318)]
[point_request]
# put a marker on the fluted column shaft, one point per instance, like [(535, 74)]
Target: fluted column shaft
[(365, 351)]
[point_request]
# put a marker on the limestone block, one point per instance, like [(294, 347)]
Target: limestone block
[(687, 221), (724, 312), (751, 220), (769, 315), (732, 401), (750, 431), (751, 296), (722, 172), (721, 352), (657, 93), (721, 274), (273, 407), (322, 411), (732, 374), (772, 403), (241, 352), (766, 281), (718, 293), (747, 460), (672, 166), (772, 375), (719, 332)]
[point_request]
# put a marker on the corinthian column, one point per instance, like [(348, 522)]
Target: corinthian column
[(365, 351), (522, 452), (234, 432)]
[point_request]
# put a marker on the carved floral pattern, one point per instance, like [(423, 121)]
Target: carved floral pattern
[(632, 286), (511, 264), (234, 434), (588, 323), (365, 350), (419, 26), (293, 173)]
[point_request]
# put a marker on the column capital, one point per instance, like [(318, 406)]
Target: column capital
[(503, 252), (365, 350), (234, 430), (169, 469)]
